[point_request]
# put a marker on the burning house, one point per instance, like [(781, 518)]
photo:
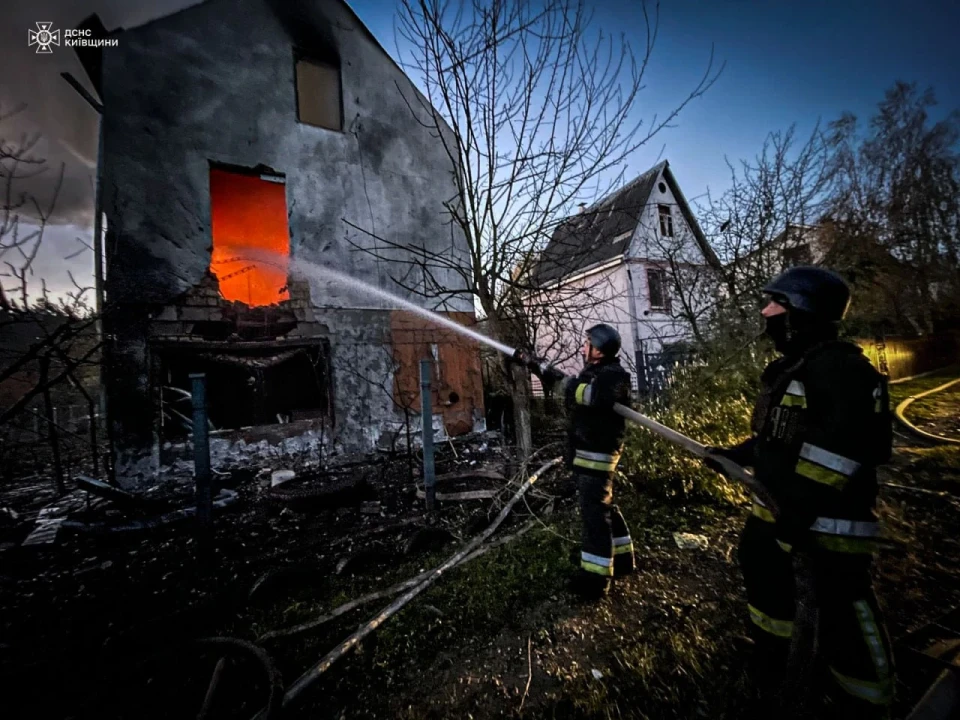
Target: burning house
[(239, 137)]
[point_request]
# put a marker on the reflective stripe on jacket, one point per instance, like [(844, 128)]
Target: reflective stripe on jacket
[(595, 431)]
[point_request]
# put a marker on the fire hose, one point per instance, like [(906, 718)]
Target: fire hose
[(731, 469)]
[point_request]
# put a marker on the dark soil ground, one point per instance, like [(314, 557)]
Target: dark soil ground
[(84, 624)]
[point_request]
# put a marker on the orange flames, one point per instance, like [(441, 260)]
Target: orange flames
[(251, 240)]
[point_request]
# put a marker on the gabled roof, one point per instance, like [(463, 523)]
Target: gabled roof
[(603, 231)]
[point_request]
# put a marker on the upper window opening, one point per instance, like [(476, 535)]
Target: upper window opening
[(319, 94), (666, 220), (663, 188)]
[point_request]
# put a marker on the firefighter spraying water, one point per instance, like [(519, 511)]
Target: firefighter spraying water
[(820, 428), (595, 442), (539, 366)]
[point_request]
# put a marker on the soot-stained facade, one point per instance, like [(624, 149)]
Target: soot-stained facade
[(242, 141)]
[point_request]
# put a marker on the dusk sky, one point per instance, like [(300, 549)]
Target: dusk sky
[(785, 63)]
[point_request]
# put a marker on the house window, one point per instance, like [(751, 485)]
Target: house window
[(319, 95), (657, 289), (799, 255), (246, 385), (666, 220)]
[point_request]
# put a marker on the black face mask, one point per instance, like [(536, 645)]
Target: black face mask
[(778, 329), (795, 332)]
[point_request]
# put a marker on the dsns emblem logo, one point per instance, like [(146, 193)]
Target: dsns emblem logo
[(43, 37)]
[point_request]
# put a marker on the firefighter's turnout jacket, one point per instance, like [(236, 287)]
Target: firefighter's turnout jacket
[(595, 437), (820, 428), (595, 433)]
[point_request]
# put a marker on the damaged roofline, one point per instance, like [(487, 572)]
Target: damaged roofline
[(92, 63)]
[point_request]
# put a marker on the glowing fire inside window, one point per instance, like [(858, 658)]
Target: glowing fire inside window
[(251, 240)]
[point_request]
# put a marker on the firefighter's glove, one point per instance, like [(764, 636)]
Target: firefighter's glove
[(525, 358), (548, 374), (710, 459), (538, 366)]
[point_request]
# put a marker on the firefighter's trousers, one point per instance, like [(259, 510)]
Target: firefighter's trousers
[(851, 637), (606, 546)]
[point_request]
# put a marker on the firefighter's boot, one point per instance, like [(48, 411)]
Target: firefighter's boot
[(589, 587)]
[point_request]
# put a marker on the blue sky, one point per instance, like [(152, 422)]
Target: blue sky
[(786, 62), (792, 62)]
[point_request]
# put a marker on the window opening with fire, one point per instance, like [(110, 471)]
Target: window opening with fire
[(251, 238)]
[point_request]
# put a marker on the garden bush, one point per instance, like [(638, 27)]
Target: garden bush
[(710, 401)]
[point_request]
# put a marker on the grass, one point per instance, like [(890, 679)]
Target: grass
[(936, 407), (481, 598), (504, 597), (942, 461), (901, 391), (934, 413)]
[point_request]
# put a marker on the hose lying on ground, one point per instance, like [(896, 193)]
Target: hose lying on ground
[(311, 675), (389, 592), (913, 428)]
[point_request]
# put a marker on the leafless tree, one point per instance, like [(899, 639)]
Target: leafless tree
[(538, 113), (49, 343), (899, 191), (764, 221)]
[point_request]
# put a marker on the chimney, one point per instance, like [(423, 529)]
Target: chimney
[(582, 206)]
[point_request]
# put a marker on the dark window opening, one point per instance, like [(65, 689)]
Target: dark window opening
[(663, 188), (319, 92), (799, 255), (657, 289), (245, 387), (666, 220)]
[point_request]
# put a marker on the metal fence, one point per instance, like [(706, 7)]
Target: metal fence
[(655, 370)]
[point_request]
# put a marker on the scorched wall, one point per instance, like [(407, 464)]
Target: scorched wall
[(216, 87)]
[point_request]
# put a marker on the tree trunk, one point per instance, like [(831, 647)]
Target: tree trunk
[(520, 394), (518, 382)]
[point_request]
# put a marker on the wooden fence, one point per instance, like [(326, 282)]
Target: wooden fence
[(905, 357)]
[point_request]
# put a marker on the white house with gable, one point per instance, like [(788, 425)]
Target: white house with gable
[(638, 260)]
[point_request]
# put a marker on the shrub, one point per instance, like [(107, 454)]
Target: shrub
[(711, 402)]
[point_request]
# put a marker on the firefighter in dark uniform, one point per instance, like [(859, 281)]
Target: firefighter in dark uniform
[(595, 442), (820, 428)]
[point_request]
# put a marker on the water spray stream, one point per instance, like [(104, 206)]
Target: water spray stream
[(322, 273)]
